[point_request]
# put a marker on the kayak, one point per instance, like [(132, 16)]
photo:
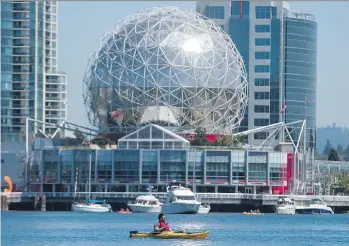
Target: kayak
[(169, 235), (248, 213)]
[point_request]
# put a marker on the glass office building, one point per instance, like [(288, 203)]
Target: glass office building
[(279, 48), (31, 86)]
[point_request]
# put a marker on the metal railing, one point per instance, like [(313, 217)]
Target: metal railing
[(218, 196)]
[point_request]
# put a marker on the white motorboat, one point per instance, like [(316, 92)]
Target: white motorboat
[(146, 204), (286, 206), (315, 206), (204, 209), (91, 206), (180, 200)]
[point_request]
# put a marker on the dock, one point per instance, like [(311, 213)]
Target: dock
[(40, 200)]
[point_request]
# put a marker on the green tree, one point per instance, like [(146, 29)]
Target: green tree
[(340, 149), (333, 155), (238, 140), (341, 183), (102, 140), (346, 153), (200, 139), (327, 148), (80, 137)]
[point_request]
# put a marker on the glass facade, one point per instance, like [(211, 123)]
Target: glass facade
[(300, 74), (215, 12), (28, 28), (116, 169), (295, 43), (239, 32)]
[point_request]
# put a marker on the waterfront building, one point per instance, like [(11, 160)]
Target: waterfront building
[(153, 155), (31, 85), (279, 49)]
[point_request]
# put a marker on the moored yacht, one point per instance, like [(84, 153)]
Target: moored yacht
[(316, 206), (286, 206), (180, 200), (92, 206), (146, 204)]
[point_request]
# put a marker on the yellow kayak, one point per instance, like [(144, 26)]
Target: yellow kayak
[(169, 235)]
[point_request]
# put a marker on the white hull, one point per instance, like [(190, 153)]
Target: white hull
[(314, 210), (286, 210), (137, 208), (90, 208), (180, 208), (204, 210)]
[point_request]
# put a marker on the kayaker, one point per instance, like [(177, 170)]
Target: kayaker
[(162, 225)]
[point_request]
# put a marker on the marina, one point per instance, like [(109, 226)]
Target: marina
[(219, 202)]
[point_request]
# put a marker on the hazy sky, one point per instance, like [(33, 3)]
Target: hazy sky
[(81, 25)]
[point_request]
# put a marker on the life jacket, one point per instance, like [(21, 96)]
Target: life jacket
[(164, 225)]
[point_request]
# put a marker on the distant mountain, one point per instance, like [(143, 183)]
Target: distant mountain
[(335, 134)]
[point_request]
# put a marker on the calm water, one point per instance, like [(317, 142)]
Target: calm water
[(68, 228)]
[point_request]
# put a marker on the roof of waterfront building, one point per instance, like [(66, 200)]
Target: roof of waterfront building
[(152, 136)]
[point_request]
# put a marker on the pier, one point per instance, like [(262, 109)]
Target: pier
[(41, 200)]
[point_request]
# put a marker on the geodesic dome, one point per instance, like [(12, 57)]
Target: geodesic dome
[(167, 66)]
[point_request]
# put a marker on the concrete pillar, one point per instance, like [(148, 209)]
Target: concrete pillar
[(43, 203), (4, 204), (216, 189), (204, 181), (254, 190), (140, 166), (127, 188), (158, 170), (236, 189), (270, 190)]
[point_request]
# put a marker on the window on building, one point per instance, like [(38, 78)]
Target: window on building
[(261, 135), (262, 55), (261, 108), (215, 12), (262, 69), (263, 12), (261, 95), (262, 28), (274, 12), (261, 122), (262, 41), (261, 82)]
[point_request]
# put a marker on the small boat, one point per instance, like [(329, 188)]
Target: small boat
[(204, 209), (286, 206), (146, 204), (253, 213), (315, 206), (92, 205), (124, 211), (169, 235)]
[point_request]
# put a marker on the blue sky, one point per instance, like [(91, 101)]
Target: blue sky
[(81, 25)]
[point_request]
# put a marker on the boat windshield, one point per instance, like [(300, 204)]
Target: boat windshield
[(188, 198), (317, 202)]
